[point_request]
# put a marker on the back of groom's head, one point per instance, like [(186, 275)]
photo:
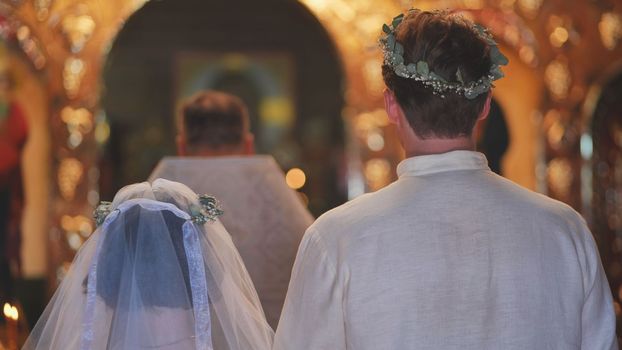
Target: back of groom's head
[(214, 123), (447, 43)]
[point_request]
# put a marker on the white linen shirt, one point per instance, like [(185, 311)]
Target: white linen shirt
[(450, 256)]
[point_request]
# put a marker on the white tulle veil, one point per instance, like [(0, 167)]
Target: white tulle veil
[(152, 276)]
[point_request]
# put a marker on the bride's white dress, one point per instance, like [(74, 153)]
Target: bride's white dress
[(160, 272)]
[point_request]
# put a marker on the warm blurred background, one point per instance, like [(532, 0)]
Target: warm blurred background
[(89, 89)]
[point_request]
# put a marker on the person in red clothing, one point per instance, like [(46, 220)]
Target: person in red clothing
[(13, 136)]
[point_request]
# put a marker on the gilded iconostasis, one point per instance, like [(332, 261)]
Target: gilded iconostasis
[(98, 82)]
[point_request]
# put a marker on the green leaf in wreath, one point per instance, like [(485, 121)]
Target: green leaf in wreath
[(397, 20), (399, 49), (497, 57), (391, 42), (423, 69), (497, 73), (459, 76)]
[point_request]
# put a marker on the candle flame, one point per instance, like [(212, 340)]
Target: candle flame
[(7, 309), (10, 311)]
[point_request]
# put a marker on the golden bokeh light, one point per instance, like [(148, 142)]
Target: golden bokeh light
[(557, 78), (530, 8), (70, 171), (377, 173), (610, 28), (527, 55), (560, 176), (375, 141), (559, 37), (295, 178)]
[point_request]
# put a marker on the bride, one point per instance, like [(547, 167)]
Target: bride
[(160, 272)]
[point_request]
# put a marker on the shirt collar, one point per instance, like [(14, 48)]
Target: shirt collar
[(436, 163)]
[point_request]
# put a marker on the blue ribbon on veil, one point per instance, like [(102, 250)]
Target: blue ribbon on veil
[(198, 287)]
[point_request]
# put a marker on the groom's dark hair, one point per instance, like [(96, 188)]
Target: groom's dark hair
[(447, 42)]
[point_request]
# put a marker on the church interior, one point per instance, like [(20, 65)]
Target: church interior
[(89, 90)]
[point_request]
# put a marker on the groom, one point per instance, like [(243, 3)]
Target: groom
[(449, 256)]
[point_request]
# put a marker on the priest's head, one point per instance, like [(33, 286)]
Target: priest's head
[(214, 123), (438, 68)]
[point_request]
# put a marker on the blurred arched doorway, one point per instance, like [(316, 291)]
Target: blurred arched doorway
[(273, 54)]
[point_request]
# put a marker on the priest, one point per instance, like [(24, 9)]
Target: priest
[(265, 218)]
